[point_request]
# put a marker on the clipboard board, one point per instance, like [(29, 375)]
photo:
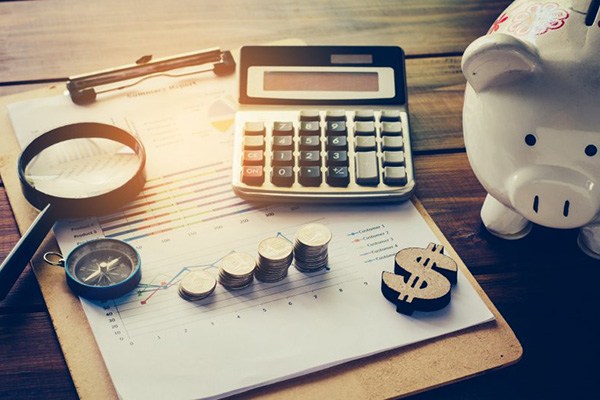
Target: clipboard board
[(422, 366)]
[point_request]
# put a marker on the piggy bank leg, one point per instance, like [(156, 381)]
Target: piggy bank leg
[(503, 221), (589, 239)]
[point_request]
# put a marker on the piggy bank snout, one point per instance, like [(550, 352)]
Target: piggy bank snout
[(554, 196)]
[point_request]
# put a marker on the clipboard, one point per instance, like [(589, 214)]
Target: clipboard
[(422, 366)]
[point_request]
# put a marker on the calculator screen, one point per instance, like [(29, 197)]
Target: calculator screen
[(321, 81), (318, 75)]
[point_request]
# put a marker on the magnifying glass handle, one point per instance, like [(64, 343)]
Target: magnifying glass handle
[(24, 250)]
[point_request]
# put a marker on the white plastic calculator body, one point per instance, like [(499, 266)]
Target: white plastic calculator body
[(336, 130)]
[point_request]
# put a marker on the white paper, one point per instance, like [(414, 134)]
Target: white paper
[(157, 345)]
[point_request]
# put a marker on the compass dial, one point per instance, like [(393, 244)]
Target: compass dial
[(103, 268)]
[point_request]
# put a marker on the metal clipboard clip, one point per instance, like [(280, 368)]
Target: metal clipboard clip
[(84, 88)]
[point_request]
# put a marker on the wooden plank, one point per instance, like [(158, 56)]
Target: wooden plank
[(32, 364), (435, 95), (72, 37), (435, 98)]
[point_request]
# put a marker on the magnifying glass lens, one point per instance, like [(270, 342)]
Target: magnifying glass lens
[(82, 167), (78, 170)]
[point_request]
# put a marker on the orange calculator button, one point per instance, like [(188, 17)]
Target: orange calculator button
[(253, 157), (253, 175)]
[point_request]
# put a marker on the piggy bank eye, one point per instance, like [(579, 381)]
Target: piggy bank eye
[(530, 139), (591, 150)]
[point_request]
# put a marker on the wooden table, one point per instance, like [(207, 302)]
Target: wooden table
[(545, 288)]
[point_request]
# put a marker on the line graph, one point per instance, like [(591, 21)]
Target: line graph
[(138, 311), (148, 290)]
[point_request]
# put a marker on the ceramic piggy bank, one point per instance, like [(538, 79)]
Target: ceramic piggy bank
[(532, 119)]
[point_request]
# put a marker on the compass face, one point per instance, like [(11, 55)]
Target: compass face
[(103, 267), (96, 267)]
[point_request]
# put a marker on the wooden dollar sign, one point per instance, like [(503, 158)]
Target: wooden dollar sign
[(421, 280)]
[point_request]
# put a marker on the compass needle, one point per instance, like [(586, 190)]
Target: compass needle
[(95, 274), (112, 263)]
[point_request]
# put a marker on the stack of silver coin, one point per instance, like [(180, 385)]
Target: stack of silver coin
[(236, 270), (310, 247), (197, 285), (275, 255)]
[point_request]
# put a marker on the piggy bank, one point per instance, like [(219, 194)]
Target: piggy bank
[(531, 119)]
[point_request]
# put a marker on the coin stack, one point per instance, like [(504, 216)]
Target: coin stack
[(275, 255), (236, 270), (197, 285), (310, 247)]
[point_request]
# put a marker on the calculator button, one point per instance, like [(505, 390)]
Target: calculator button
[(364, 115), (310, 115), (336, 128), (254, 142), (364, 128), (283, 142), (254, 128), (391, 128), (366, 169), (338, 176), (390, 115), (335, 115), (393, 158), (310, 158), (253, 175), (253, 157), (394, 176), (392, 142), (309, 176), (309, 128), (310, 142), (282, 176), (365, 143), (282, 157), (337, 143), (337, 158), (283, 128)]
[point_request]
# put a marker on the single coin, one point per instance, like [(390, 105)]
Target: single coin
[(314, 235), (198, 284), (238, 264), (310, 248), (187, 297), (236, 270), (275, 255), (275, 248)]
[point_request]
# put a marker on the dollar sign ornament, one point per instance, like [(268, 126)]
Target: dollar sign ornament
[(421, 280)]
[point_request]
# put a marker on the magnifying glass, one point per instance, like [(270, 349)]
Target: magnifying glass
[(77, 170)]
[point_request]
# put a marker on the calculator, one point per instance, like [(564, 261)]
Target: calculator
[(322, 124)]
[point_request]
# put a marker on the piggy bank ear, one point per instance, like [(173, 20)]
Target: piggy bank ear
[(498, 59)]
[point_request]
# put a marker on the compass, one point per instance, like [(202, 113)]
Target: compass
[(102, 269)]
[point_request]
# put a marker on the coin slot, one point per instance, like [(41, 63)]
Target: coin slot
[(566, 208), (536, 203), (592, 12)]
